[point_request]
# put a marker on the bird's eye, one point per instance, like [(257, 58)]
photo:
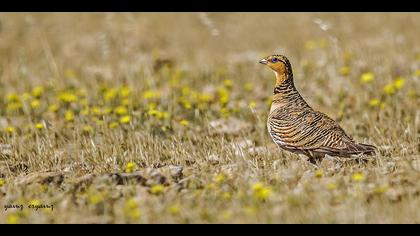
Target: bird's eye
[(274, 60)]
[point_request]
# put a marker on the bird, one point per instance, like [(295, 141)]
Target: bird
[(295, 127)]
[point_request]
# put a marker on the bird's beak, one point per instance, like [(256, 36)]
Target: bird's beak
[(264, 61)]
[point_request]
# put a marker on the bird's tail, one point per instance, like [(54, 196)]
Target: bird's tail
[(360, 148)]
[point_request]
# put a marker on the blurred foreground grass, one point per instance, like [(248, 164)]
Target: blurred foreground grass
[(160, 118)]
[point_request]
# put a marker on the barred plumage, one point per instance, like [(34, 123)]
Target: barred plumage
[(296, 127)]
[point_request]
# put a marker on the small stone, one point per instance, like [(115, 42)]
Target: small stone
[(42, 178), (176, 172), (258, 151), (231, 126), (416, 164), (229, 169), (156, 177), (83, 180), (393, 194), (6, 150), (125, 178), (242, 147), (213, 159)]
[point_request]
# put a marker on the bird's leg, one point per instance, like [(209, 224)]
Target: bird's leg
[(315, 158)]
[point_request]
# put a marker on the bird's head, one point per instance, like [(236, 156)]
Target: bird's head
[(278, 63)]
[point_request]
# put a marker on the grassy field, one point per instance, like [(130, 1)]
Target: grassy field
[(161, 118)]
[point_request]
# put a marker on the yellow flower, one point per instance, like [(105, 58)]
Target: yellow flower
[(125, 92), (151, 94), (130, 167), (53, 107), (10, 129), (367, 77), (125, 119), (12, 97), (12, 218), (175, 78), (153, 112), (389, 89), (99, 122), (69, 115), (132, 209), (223, 96), (374, 102), (185, 91), (43, 188), (382, 105), (2, 182), (380, 189), (125, 101), (184, 122), (345, 70), (226, 196), (37, 91), (248, 86), (107, 110), (319, 173), (174, 210), (225, 112), (253, 104), (228, 83), (269, 101), (131, 204), (96, 198), (110, 94), (84, 102), (417, 73), (113, 125), (85, 111), (39, 126), (67, 97), (87, 129), (358, 177), (164, 128), (121, 110), (331, 186), (261, 192), (35, 104), (157, 189), (187, 104), (151, 106), (220, 178), (14, 106), (158, 114), (35, 202), (164, 115), (26, 96), (412, 93), (399, 82), (97, 111), (210, 186), (310, 45)]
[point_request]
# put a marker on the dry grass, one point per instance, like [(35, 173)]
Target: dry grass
[(160, 118)]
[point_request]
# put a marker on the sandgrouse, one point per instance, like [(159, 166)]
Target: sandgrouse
[(296, 127)]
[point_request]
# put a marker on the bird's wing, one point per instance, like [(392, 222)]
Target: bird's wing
[(307, 130)]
